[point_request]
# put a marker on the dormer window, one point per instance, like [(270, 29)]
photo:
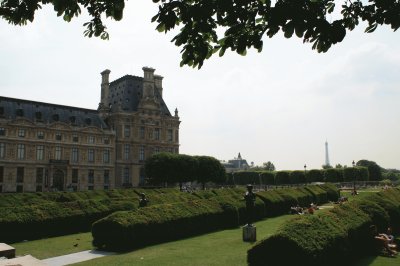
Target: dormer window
[(56, 117), (88, 121), (72, 119), (19, 112), (38, 115), (58, 136)]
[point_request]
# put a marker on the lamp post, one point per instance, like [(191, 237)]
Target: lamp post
[(305, 172), (354, 177)]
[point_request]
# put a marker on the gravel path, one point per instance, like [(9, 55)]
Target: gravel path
[(76, 257)]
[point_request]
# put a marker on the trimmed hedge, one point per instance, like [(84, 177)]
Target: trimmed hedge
[(330, 238), (282, 177), (37, 215), (126, 230), (333, 175), (315, 175)]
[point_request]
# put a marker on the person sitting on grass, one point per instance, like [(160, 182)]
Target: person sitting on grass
[(384, 242)]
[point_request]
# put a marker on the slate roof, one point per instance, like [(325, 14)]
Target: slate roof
[(127, 92), (11, 108)]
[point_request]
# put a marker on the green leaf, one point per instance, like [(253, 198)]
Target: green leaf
[(371, 28)]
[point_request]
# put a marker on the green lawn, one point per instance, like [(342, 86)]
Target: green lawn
[(218, 248), (55, 246)]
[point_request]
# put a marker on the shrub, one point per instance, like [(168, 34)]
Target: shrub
[(315, 175), (297, 177), (282, 177), (333, 175), (329, 238), (268, 178), (125, 230)]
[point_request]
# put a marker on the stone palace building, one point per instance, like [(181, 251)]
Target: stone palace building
[(49, 147)]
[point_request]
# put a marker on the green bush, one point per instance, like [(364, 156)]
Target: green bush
[(333, 175), (297, 177), (268, 178), (329, 238), (282, 177), (160, 223), (315, 175)]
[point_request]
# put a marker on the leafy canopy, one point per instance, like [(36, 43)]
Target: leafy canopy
[(245, 22)]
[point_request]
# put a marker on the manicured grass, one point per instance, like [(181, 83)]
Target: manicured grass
[(55, 246), (219, 248)]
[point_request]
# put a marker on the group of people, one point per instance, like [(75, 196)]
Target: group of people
[(385, 241), (306, 210)]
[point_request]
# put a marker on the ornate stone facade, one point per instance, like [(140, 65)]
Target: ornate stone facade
[(53, 147)]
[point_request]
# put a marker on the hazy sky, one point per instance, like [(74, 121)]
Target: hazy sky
[(279, 105)]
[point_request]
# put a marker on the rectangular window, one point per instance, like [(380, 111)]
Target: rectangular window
[(74, 176), (157, 150), (1, 174), (40, 135), (141, 176), (106, 141), (90, 188), (2, 131), (1, 188), (21, 133), (39, 152), (75, 138), (141, 132), (91, 155), (58, 136), (169, 135), (75, 155), (39, 189), (21, 151), (58, 154), (107, 177), (91, 176), (106, 156), (2, 150), (127, 131), (126, 175), (141, 153), (20, 188), (127, 149), (157, 134), (39, 175), (91, 139), (20, 175)]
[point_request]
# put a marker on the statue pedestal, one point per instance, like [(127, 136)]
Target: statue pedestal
[(7, 251), (249, 233)]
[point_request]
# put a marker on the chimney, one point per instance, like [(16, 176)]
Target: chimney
[(105, 86), (148, 82), (158, 82)]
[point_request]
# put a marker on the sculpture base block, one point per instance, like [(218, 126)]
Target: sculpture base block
[(7, 251), (249, 233)]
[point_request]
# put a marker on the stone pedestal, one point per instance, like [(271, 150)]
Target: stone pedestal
[(249, 233), (7, 251)]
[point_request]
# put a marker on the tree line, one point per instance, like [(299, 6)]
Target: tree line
[(163, 168)]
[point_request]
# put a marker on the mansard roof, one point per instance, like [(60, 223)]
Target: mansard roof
[(126, 92), (11, 108)]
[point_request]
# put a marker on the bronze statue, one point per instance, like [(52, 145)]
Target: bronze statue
[(143, 200), (250, 199)]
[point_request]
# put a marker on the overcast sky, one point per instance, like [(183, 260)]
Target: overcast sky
[(279, 105)]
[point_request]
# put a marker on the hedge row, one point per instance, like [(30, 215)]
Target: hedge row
[(333, 175), (36, 215), (330, 238), (129, 229)]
